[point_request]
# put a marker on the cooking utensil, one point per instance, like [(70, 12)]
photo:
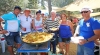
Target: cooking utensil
[(38, 43)]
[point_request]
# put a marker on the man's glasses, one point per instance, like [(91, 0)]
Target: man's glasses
[(84, 11)]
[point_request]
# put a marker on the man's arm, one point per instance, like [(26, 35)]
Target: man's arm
[(96, 36), (96, 29), (93, 38)]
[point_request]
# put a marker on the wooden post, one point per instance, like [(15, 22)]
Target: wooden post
[(49, 6)]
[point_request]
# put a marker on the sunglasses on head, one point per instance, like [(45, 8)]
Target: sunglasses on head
[(84, 11)]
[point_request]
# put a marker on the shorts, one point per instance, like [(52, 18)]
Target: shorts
[(66, 40), (13, 37)]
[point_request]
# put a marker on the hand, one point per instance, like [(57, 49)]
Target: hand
[(24, 29), (1, 32), (57, 29), (35, 28), (4, 31), (82, 41)]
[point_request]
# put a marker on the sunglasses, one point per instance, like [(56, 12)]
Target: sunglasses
[(84, 11)]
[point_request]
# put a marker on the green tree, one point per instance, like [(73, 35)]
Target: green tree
[(33, 4), (8, 5), (42, 4), (61, 3)]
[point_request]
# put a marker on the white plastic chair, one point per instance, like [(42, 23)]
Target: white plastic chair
[(2, 43)]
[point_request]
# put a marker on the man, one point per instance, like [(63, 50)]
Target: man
[(11, 29), (26, 22), (89, 28), (52, 22)]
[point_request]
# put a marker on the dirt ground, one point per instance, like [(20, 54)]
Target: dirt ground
[(72, 49)]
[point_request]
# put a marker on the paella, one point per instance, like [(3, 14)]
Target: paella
[(37, 37)]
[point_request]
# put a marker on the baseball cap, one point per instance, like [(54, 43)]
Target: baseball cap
[(17, 7), (27, 9), (86, 8)]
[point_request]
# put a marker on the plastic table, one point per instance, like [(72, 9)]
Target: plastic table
[(45, 47)]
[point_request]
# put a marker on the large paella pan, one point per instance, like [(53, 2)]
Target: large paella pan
[(37, 37)]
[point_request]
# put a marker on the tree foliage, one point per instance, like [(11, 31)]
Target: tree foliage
[(8, 5), (61, 3), (33, 4), (42, 4)]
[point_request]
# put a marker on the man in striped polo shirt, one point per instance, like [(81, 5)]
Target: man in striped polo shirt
[(52, 22)]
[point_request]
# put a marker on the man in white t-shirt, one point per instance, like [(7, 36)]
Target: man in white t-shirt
[(26, 22)]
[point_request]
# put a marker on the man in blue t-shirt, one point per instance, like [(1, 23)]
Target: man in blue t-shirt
[(11, 28), (89, 28)]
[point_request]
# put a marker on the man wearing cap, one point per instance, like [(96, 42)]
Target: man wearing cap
[(11, 29), (26, 22), (89, 28)]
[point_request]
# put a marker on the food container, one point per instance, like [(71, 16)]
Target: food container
[(36, 36), (76, 39)]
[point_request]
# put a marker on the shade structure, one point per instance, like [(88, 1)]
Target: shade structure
[(78, 4)]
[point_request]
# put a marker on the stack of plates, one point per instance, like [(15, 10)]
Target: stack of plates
[(76, 39)]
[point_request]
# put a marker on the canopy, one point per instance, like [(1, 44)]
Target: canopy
[(78, 4)]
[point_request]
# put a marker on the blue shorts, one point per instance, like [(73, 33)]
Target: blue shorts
[(66, 40), (13, 37), (82, 50)]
